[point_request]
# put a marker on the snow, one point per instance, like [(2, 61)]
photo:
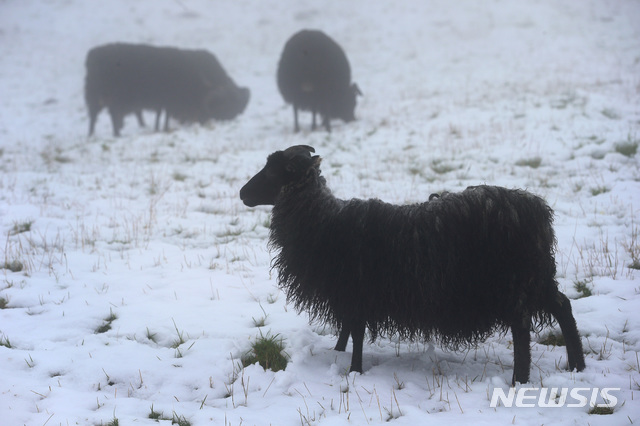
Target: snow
[(149, 228)]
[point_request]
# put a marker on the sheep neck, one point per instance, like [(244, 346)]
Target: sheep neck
[(298, 207)]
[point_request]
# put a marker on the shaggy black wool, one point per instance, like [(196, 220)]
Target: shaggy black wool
[(457, 268)]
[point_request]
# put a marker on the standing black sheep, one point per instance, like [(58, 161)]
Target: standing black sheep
[(189, 85), (457, 268), (314, 75)]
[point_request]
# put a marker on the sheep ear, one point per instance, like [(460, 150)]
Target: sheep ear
[(296, 150), (316, 160)]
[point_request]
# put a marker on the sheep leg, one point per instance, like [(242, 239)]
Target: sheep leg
[(313, 120), (158, 114), (343, 339), (140, 118), (296, 126), (166, 120), (117, 121), (326, 123), (93, 115), (561, 311), (357, 335), (521, 349)]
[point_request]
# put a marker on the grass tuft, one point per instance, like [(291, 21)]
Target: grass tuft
[(600, 189), (179, 177), (533, 162), (601, 410), (268, 352), (106, 326), (13, 266), (441, 168), (582, 287), (4, 341), (20, 227), (553, 339), (628, 149), (175, 419)]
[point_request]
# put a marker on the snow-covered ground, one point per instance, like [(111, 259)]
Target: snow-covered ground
[(146, 233)]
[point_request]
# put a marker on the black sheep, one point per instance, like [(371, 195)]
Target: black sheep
[(456, 268), (314, 75), (189, 85)]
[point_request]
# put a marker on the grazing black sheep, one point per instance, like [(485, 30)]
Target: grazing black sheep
[(314, 75), (189, 85), (456, 268)]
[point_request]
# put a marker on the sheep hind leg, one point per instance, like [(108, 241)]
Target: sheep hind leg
[(343, 339), (561, 311), (296, 126), (158, 116), (521, 349), (140, 118), (92, 122), (357, 335)]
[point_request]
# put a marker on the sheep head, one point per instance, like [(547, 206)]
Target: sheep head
[(283, 168)]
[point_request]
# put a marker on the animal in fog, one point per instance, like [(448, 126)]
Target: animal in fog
[(314, 75), (456, 268), (188, 85)]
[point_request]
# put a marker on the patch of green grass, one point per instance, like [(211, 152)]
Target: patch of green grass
[(20, 227), (268, 351), (601, 410), (553, 339), (177, 176), (151, 336), (154, 415), (4, 341), (106, 326), (114, 422), (533, 162), (180, 340), (439, 167), (583, 288), (628, 149), (13, 266), (175, 418), (610, 114), (180, 420), (415, 171), (600, 189), (260, 322)]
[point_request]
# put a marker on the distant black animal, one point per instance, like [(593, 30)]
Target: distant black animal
[(456, 268), (314, 75), (189, 85)]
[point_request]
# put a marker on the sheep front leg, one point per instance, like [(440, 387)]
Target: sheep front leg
[(117, 120), (357, 335), (521, 349)]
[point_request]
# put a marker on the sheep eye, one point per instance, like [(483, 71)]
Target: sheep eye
[(270, 173)]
